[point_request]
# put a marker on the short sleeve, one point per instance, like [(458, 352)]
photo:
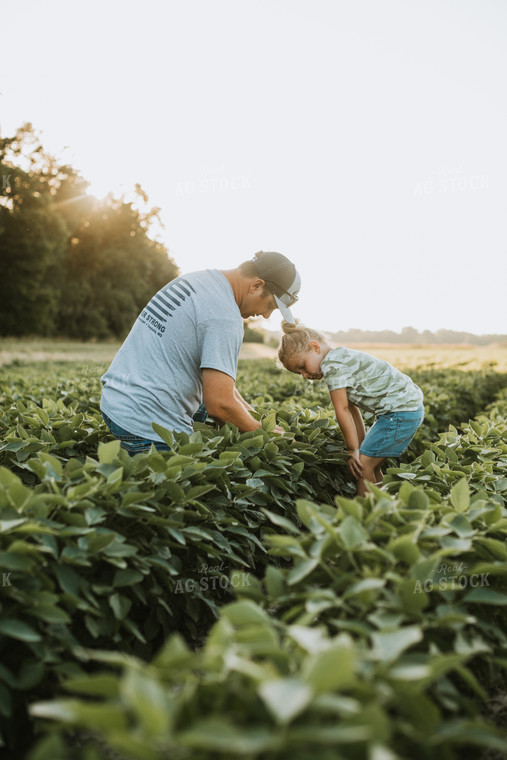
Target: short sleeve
[(337, 369), (220, 342)]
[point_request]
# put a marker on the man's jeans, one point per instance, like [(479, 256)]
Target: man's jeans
[(134, 444)]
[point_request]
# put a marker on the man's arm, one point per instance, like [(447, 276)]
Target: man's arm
[(346, 417), (224, 402), (241, 400)]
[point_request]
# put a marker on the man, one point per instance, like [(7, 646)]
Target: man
[(183, 350)]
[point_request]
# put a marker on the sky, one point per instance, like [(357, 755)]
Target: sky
[(363, 139)]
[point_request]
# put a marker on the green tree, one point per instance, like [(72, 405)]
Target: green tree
[(71, 265), (112, 269), (33, 239), (251, 335)]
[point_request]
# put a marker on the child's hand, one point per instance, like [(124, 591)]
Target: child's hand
[(354, 464)]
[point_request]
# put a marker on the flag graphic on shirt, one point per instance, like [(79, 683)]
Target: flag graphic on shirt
[(164, 303)]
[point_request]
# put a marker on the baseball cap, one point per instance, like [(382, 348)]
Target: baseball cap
[(282, 279)]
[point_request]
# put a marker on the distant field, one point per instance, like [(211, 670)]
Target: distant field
[(38, 350), (460, 356), (466, 357)]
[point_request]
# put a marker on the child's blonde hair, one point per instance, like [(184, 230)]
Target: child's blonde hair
[(296, 339)]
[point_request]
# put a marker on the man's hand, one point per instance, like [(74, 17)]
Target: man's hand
[(279, 430), (354, 464)]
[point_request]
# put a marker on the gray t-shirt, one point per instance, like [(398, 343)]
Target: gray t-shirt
[(192, 323), (372, 384)]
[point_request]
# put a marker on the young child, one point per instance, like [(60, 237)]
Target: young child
[(357, 380)]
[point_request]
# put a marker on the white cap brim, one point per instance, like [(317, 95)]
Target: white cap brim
[(285, 311)]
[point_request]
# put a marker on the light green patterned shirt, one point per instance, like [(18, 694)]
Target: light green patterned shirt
[(372, 384)]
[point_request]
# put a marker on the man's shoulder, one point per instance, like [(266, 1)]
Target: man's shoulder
[(211, 282), (198, 275), (207, 289), (214, 300), (198, 272)]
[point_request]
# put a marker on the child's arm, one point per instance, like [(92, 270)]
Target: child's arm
[(347, 417), (358, 421)]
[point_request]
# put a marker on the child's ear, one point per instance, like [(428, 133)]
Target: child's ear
[(314, 346)]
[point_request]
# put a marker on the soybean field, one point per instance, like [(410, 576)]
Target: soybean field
[(232, 598)]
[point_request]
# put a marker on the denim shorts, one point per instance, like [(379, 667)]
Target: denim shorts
[(391, 433)]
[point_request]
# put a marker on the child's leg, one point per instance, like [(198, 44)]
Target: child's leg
[(372, 472)]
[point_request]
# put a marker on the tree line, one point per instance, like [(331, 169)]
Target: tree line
[(70, 265), (414, 337)]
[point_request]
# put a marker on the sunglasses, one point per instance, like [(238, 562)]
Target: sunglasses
[(287, 298)]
